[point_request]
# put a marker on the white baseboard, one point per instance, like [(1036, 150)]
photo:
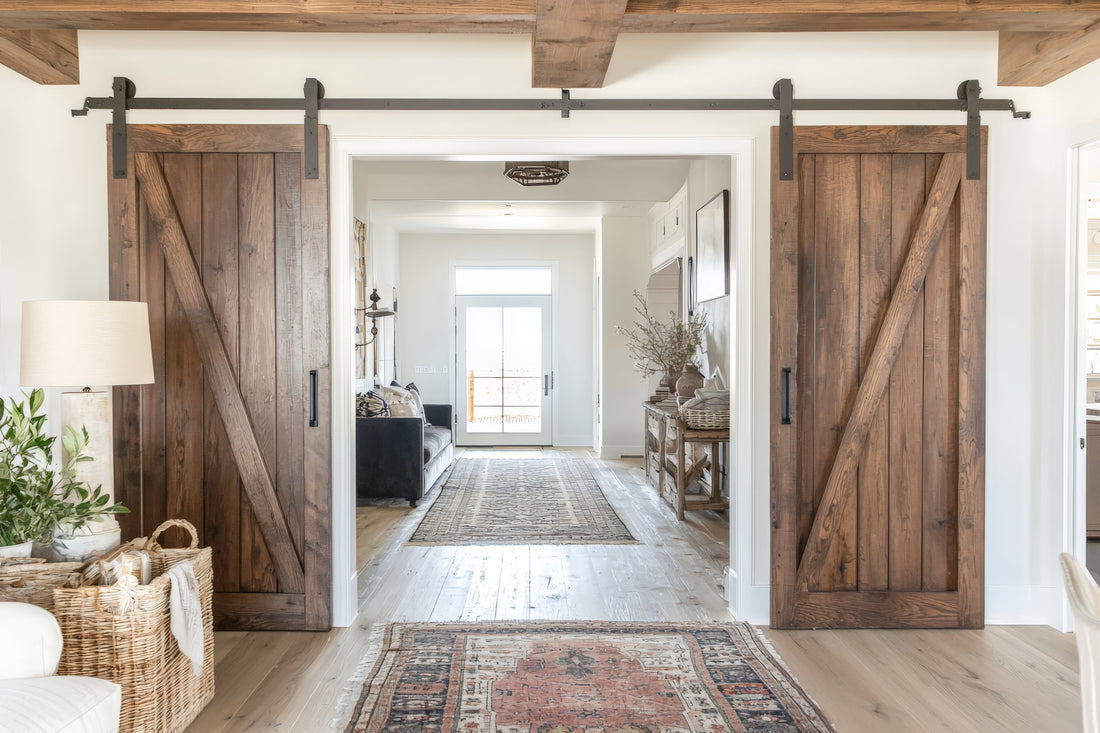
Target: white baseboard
[(748, 602), (574, 441), (1025, 604), (618, 451)]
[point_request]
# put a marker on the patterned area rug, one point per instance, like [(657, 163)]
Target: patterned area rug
[(580, 677), (509, 501)]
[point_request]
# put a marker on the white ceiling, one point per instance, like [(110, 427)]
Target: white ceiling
[(434, 196)]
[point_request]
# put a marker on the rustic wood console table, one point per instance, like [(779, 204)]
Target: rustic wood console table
[(671, 459)]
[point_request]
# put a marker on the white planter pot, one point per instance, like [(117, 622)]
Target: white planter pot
[(23, 549), (81, 547)]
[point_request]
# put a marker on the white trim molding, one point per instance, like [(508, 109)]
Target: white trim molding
[(744, 537)]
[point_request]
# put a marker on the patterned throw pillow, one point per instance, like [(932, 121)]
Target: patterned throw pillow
[(371, 404), (415, 391), (403, 402)]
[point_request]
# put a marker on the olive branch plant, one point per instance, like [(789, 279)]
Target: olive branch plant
[(662, 346), (36, 500)]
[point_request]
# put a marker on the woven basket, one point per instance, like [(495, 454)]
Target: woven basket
[(136, 649), (706, 419), (32, 580)]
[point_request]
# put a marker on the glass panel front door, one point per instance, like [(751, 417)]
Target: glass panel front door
[(504, 377)]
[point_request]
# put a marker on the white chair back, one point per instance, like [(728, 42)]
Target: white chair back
[(1084, 599)]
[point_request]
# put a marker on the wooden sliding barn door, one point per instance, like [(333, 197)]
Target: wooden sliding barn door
[(878, 362), (217, 229)]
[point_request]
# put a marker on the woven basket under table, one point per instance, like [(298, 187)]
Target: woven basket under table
[(160, 694), (32, 580), (706, 419)]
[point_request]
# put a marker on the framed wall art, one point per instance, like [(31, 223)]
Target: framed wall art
[(712, 248)]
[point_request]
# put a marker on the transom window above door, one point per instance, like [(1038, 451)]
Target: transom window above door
[(502, 281)]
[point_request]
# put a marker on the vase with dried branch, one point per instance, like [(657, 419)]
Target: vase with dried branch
[(663, 346)]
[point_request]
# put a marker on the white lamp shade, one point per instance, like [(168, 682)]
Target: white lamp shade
[(84, 343)]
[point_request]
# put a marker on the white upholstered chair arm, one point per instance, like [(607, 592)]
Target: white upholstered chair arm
[(30, 639)]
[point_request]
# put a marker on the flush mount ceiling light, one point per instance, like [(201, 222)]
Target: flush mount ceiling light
[(535, 173)]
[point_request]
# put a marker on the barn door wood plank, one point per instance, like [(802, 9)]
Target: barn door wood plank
[(785, 295), (317, 471), (258, 366), (255, 475), (939, 548), (288, 318), (803, 383), (835, 328), (220, 281), (125, 284), (906, 387), (900, 311), (154, 500), (874, 296), (971, 420), (183, 393)]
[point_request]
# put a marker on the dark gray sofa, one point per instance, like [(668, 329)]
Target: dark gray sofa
[(401, 457)]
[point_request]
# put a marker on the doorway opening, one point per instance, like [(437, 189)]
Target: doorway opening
[(629, 267), (1084, 389), (504, 346)]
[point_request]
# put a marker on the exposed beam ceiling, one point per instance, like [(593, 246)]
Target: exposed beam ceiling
[(45, 56), (1035, 59), (573, 39)]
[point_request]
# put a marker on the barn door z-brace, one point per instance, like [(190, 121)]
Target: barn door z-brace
[(968, 99)]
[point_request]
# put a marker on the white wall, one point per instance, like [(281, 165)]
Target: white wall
[(426, 326), (53, 219), (624, 268)]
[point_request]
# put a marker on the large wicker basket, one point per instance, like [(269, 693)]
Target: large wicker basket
[(706, 419), (136, 649), (32, 580)]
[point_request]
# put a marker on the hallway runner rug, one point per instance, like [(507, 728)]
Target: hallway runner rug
[(579, 677), (519, 501)]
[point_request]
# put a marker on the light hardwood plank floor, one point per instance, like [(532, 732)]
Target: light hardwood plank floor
[(999, 679)]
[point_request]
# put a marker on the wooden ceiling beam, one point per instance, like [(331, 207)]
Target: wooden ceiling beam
[(519, 16), (573, 42), (1036, 59), (44, 56)]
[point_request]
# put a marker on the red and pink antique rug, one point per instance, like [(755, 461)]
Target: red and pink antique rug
[(579, 677)]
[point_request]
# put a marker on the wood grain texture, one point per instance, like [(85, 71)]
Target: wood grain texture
[(785, 294), (880, 139), (256, 344), (1035, 59), (216, 138), (125, 284), (518, 16), (971, 420), (939, 546), (183, 377), (259, 611), (573, 41), (43, 56), (316, 344), (255, 475), (1004, 678), (878, 610), (291, 382), (876, 378), (906, 385), (154, 498), (219, 279), (875, 286), (836, 357)]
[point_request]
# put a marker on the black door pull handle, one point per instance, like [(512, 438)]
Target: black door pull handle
[(785, 417), (313, 398)]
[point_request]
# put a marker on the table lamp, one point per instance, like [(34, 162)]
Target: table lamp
[(67, 343)]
